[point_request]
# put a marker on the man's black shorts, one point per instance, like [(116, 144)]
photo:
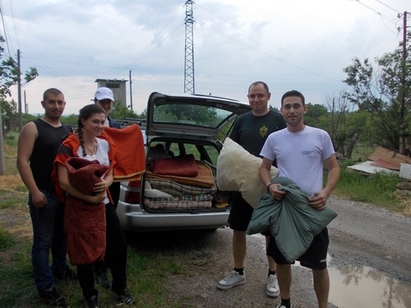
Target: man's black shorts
[(315, 257), (240, 213)]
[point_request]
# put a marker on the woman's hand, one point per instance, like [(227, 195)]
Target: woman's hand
[(100, 186), (97, 198)]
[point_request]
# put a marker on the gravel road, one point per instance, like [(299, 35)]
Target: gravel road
[(366, 243), (369, 261)]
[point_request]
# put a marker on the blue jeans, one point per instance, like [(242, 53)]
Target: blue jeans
[(48, 233)]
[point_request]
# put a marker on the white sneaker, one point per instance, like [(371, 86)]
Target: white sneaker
[(272, 288), (282, 306), (232, 280)]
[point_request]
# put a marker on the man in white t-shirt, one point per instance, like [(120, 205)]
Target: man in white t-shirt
[(105, 99), (300, 152)]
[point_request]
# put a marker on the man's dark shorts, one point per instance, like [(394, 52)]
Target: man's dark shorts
[(315, 257), (240, 213)]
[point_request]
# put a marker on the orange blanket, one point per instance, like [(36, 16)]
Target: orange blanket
[(68, 149), (130, 156), (180, 166), (203, 179), (84, 222)]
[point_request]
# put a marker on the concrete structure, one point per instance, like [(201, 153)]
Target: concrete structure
[(117, 86)]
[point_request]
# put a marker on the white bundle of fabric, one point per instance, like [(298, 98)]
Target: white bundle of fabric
[(238, 170)]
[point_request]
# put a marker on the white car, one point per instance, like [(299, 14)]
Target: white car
[(183, 141)]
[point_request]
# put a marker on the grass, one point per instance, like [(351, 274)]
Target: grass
[(148, 270), (6, 240), (378, 189)]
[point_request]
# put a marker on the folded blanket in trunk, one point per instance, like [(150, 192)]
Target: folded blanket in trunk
[(203, 179), (178, 166), (176, 189), (187, 202), (84, 222)]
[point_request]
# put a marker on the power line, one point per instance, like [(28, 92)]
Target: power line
[(374, 10), (7, 37), (140, 55), (388, 6), (257, 38), (5, 32)]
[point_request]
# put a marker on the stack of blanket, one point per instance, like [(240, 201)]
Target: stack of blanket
[(179, 183)]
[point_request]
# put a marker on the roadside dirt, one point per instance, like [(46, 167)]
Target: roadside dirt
[(362, 235)]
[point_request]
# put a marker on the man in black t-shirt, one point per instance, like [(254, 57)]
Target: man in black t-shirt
[(250, 131)]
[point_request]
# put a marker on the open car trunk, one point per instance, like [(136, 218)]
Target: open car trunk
[(180, 177)]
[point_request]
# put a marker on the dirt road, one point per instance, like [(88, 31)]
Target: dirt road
[(369, 262), (367, 243)]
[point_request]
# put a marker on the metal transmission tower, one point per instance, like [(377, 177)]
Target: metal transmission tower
[(189, 50)]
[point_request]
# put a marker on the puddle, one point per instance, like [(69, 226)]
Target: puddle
[(362, 286)]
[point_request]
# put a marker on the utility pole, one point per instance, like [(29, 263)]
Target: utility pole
[(26, 106), (403, 91), (19, 90), (131, 91), (2, 165), (189, 49)]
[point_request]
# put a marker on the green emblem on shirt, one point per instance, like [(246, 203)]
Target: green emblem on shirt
[(263, 131)]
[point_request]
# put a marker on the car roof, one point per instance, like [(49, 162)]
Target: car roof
[(190, 115)]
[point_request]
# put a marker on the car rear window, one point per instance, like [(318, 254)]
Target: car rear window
[(190, 114)]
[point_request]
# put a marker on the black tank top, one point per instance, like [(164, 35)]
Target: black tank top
[(45, 151)]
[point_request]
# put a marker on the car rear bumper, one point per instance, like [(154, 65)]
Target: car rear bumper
[(133, 218)]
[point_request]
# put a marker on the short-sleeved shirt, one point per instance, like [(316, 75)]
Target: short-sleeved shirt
[(300, 155), (251, 131)]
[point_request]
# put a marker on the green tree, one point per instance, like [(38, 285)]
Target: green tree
[(9, 115), (9, 76), (120, 112), (274, 108), (192, 114), (316, 116), (71, 119), (384, 93)]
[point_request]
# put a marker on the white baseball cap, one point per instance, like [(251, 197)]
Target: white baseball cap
[(104, 93)]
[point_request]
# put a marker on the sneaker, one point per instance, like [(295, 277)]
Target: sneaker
[(282, 306), (91, 302), (272, 288), (124, 297), (232, 280), (67, 274), (52, 297), (102, 279)]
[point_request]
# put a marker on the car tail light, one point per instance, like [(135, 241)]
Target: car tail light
[(133, 193)]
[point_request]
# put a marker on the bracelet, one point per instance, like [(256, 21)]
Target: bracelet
[(268, 187)]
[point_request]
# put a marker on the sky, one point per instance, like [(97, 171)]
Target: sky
[(293, 44)]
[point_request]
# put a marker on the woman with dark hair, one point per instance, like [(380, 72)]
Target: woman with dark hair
[(83, 171)]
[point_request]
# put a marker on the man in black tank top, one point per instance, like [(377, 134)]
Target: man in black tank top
[(38, 143)]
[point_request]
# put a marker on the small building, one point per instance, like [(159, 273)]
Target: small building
[(117, 86)]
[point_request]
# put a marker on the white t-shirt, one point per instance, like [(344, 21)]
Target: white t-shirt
[(300, 155), (102, 151)]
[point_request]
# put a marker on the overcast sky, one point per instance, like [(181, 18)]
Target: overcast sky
[(290, 44)]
